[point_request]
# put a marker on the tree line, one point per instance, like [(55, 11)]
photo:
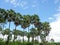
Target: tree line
[(41, 29)]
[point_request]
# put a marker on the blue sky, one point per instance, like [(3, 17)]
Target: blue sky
[(47, 10), (44, 8)]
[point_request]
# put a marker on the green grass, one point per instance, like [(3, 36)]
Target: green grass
[(26, 43)]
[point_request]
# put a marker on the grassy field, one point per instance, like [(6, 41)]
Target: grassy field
[(25, 43)]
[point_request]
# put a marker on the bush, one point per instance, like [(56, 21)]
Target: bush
[(29, 43), (2, 43)]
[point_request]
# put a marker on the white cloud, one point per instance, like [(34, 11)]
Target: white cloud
[(1, 36), (57, 16), (55, 28)]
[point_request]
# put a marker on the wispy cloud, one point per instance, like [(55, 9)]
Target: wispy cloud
[(13, 2), (19, 3), (56, 1), (23, 4)]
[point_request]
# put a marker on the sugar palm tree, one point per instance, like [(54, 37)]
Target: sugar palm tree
[(24, 24), (45, 31), (27, 19), (34, 19), (8, 17), (2, 17), (38, 25), (36, 22), (17, 21), (10, 14)]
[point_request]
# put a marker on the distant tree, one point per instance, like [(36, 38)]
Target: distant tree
[(52, 40), (7, 32), (16, 33), (43, 29)]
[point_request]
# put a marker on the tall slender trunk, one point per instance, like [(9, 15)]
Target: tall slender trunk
[(9, 25), (23, 35), (32, 37), (28, 35), (42, 39), (33, 40), (7, 42), (14, 35)]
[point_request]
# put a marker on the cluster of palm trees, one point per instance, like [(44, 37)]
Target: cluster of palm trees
[(41, 29)]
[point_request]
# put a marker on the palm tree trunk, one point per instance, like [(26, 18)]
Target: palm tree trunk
[(23, 35), (7, 42), (28, 39), (42, 40), (9, 25), (28, 35), (14, 35), (33, 40)]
